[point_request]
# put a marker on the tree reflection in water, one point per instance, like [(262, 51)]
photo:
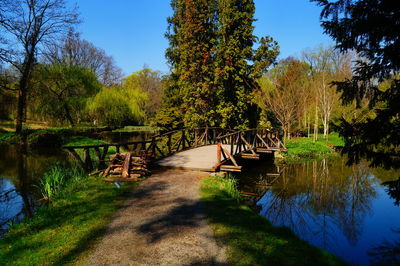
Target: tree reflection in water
[(393, 190), (387, 253), (316, 198)]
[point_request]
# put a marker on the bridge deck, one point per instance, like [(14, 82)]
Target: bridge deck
[(202, 158)]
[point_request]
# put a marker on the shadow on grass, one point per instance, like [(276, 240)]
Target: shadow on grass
[(250, 238), (60, 233)]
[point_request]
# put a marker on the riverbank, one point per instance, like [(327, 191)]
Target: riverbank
[(62, 232), (251, 239), (305, 149)]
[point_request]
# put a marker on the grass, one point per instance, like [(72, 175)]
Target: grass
[(136, 129), (304, 149), (64, 231), (250, 238), (4, 137)]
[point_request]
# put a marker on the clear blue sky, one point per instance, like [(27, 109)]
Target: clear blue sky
[(132, 31)]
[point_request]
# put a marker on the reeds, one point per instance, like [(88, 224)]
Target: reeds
[(56, 178)]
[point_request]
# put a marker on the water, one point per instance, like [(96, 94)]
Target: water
[(351, 211), (22, 168), (20, 171)]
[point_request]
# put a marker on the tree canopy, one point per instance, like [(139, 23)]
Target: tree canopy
[(371, 28)]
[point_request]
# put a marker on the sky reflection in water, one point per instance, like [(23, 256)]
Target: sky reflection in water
[(343, 209)]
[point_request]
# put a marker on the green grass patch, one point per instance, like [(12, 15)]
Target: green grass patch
[(250, 238), (128, 129), (4, 137), (305, 149), (82, 141), (64, 231)]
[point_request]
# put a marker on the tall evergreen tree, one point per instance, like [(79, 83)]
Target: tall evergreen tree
[(214, 66), (371, 28), (192, 39), (238, 64)]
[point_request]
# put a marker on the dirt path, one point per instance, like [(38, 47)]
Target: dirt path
[(162, 223)]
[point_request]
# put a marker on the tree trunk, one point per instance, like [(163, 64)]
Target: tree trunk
[(316, 124), (68, 115)]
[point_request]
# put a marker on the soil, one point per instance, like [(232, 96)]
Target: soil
[(163, 222)]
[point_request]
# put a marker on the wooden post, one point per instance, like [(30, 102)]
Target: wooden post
[(183, 139), (219, 152), (117, 148), (169, 144), (87, 160), (127, 162)]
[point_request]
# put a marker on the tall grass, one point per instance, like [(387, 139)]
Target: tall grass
[(229, 185), (56, 178)]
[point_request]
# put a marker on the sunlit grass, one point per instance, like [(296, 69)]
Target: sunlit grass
[(250, 238), (63, 232), (304, 149)]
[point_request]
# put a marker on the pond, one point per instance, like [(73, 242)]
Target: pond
[(22, 168), (351, 211)]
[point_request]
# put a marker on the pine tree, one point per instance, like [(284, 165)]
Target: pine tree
[(235, 77), (192, 41), (371, 28)]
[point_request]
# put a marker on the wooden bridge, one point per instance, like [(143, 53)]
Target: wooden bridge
[(209, 149)]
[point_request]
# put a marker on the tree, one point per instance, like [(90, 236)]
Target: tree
[(214, 67), (191, 36), (238, 64), (149, 82), (371, 28), (27, 26), (118, 106), (326, 65), (61, 91), (283, 92), (75, 51)]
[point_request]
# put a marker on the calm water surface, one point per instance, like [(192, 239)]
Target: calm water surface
[(22, 168), (351, 211)]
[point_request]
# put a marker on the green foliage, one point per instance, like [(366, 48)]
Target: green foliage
[(250, 239), (118, 106), (61, 92), (149, 82), (370, 28), (235, 77), (56, 179), (63, 232), (214, 66)]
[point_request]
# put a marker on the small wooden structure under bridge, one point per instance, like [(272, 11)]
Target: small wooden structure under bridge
[(208, 149)]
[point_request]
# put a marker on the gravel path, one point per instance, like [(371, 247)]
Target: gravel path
[(163, 222)]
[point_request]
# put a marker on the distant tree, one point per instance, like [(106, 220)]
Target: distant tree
[(25, 26), (119, 105), (283, 93), (238, 64), (75, 51), (61, 92), (371, 28), (149, 82)]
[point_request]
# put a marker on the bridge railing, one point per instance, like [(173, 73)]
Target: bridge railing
[(157, 147), (247, 143)]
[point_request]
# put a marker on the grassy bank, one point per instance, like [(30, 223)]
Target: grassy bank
[(251, 239), (62, 232), (304, 149)]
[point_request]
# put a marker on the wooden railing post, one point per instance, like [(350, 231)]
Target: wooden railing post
[(87, 160), (183, 139), (169, 143), (219, 152)]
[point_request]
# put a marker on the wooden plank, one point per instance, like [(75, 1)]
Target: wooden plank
[(250, 156), (231, 168), (264, 150), (127, 163)]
